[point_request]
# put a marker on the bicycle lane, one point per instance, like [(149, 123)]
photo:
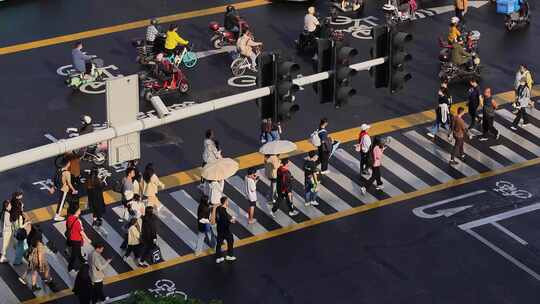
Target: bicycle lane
[(419, 249)]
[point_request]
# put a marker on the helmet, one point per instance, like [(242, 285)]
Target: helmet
[(454, 20), (85, 119), (159, 57), (153, 21)]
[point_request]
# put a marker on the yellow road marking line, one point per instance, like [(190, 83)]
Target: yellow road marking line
[(255, 159), (126, 26), (295, 227)]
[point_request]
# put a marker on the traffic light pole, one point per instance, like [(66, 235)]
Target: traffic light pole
[(62, 146)]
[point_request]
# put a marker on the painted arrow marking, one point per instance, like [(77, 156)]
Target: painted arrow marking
[(419, 211)]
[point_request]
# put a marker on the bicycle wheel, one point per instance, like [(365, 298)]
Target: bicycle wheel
[(522, 194), (190, 59), (237, 67)]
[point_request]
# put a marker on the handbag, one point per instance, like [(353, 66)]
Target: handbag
[(156, 255)]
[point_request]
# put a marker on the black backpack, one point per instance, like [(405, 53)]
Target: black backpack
[(21, 234), (118, 186)]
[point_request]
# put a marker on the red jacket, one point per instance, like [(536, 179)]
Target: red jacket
[(73, 224)]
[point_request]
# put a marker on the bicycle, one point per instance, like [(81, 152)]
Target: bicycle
[(187, 58), (167, 288)]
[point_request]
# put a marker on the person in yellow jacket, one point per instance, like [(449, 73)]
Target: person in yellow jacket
[(453, 32), (461, 8), (173, 40)]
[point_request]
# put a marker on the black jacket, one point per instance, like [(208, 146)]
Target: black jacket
[(223, 221), (202, 212), (149, 229), (231, 20)]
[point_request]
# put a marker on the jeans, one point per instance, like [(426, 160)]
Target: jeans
[(75, 258), (473, 112), (283, 197), (20, 249), (364, 161), (375, 176), (323, 158), (522, 113), (230, 243), (437, 125), (310, 196), (209, 234), (487, 126)]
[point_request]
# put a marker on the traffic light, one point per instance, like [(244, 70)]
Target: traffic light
[(266, 76), (284, 88), (381, 48), (397, 59), (342, 74), (325, 88)]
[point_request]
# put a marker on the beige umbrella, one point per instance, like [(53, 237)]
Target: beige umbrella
[(220, 169), (277, 147)]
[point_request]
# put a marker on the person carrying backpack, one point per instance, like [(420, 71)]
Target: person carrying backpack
[(62, 182), (284, 188), (325, 147), (311, 179), (488, 115)]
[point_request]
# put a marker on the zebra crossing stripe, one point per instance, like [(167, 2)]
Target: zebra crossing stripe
[(530, 128), (520, 141), (420, 162), (404, 174), (242, 218), (508, 154), (59, 264), (436, 151), (279, 217), (8, 297), (323, 193)]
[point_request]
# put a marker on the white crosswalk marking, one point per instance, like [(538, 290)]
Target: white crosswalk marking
[(421, 162), (475, 154), (280, 217), (86, 249), (508, 154), (190, 204), (166, 251), (298, 202), (242, 218), (520, 141), (353, 163), (59, 264), (178, 227), (8, 297), (507, 115), (327, 196), (20, 269), (436, 151), (534, 113), (404, 174)]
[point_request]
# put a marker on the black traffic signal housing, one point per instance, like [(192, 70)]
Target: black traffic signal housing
[(266, 76), (342, 74), (397, 58), (284, 88), (381, 48), (325, 62)]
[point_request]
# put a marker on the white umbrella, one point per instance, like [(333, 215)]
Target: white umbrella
[(220, 169), (277, 147)]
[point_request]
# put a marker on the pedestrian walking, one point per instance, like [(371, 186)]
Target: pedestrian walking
[(64, 184), (311, 179), (148, 236), (96, 202), (325, 148), (211, 152), (20, 229), (473, 101), (223, 221), (461, 7), (364, 146), (75, 239), (524, 99), (128, 187), (442, 112), (204, 228), (522, 72), (151, 185), (7, 230), (488, 115), (459, 130), (38, 265), (284, 188), (97, 266), (214, 190), (133, 238), (271, 165), (250, 190), (82, 287), (377, 154)]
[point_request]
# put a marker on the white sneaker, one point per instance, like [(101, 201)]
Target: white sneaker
[(498, 135), (324, 172), (363, 190), (379, 187), (3, 260), (272, 214), (230, 258), (431, 135), (58, 218), (524, 125), (307, 204), (513, 128), (314, 203), (220, 260), (293, 213)]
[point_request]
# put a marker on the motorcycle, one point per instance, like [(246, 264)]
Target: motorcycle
[(518, 19), (75, 79), (307, 42), (147, 52), (454, 72), (395, 13), (222, 37), (471, 45), (96, 154), (151, 86)]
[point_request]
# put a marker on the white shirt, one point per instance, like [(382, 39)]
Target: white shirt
[(215, 192), (365, 143), (310, 23), (251, 189), (151, 33)]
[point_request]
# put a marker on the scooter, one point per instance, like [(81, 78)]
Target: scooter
[(75, 79), (395, 14), (96, 154), (151, 86), (221, 37), (471, 45), (454, 72), (518, 19), (147, 52)]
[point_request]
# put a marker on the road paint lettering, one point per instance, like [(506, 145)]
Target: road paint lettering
[(508, 189), (44, 184), (360, 28), (420, 211), (242, 81), (172, 108)]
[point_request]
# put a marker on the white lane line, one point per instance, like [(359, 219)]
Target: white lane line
[(503, 254), (436, 151), (166, 251), (323, 193), (510, 233), (191, 205), (419, 161), (353, 163), (500, 216), (520, 141), (508, 154), (280, 217)]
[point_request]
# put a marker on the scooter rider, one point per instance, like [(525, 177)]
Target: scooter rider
[(152, 31), (311, 23), (459, 55), (163, 70), (453, 32), (81, 61), (86, 125), (231, 22), (173, 42)]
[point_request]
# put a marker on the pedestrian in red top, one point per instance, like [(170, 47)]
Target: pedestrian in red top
[(75, 238), (284, 188)]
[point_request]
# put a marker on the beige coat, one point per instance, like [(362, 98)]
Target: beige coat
[(151, 188), (97, 267), (245, 45), (462, 4), (271, 165), (134, 234)]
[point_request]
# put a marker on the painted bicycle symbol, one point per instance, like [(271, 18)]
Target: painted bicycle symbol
[(166, 288), (508, 189), (97, 87), (360, 28)]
